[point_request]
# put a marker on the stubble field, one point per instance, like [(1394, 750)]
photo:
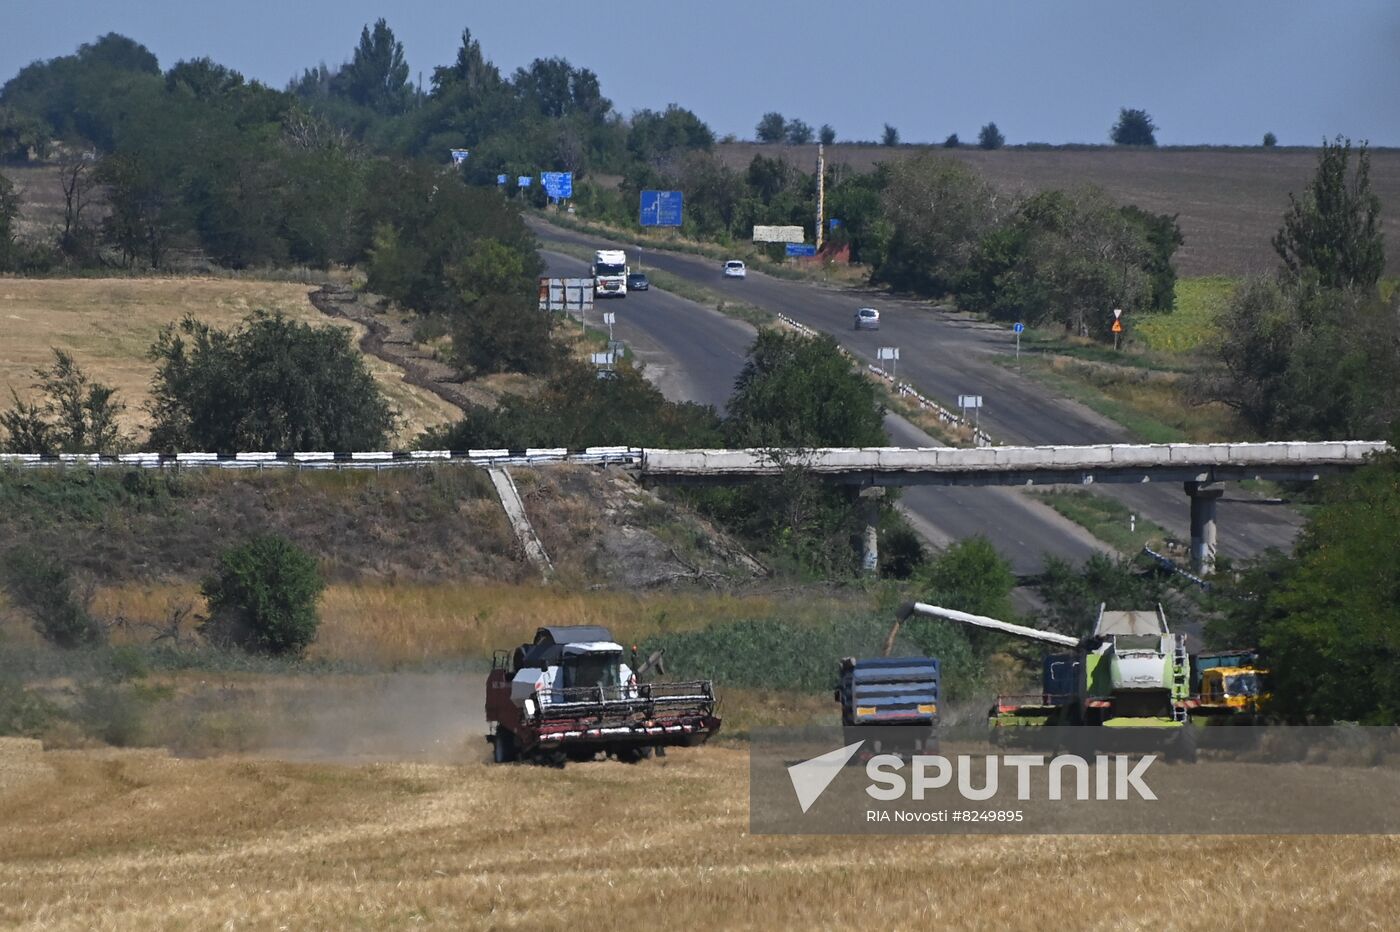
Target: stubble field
[(108, 325), (140, 840)]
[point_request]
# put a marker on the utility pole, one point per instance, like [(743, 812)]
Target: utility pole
[(821, 193)]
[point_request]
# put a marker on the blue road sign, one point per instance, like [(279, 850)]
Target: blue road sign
[(801, 249), (459, 156), (500, 179), (662, 208), (524, 181), (1018, 327), (833, 223), (558, 184)]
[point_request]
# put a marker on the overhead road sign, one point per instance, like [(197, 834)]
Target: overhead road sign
[(801, 249), (662, 208), (558, 185), (789, 234)]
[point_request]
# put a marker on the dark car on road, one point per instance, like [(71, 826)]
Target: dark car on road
[(637, 281)]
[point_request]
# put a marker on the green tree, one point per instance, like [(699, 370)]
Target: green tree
[(1325, 618), (800, 391), (1334, 230), (827, 134), (9, 216), (502, 332), (76, 414), (1073, 595), (377, 75), (799, 133), (1270, 140), (936, 211), (952, 142), (44, 588), (890, 136), (970, 576), (772, 127), (989, 137), (270, 384), (1067, 258), (576, 408), (658, 137), (1299, 361), (262, 597), (1134, 128)]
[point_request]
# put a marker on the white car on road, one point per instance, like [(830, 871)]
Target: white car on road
[(735, 269), (867, 318)]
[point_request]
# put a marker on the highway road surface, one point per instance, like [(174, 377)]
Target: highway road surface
[(947, 354), (694, 353)]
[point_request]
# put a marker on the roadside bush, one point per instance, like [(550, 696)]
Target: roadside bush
[(270, 384), (262, 597), (44, 588)]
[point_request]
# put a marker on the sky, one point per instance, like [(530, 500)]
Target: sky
[(1056, 71)]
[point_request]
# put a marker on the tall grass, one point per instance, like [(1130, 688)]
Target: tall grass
[(390, 625)]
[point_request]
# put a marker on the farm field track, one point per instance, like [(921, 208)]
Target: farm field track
[(141, 840), (108, 325), (1230, 202)]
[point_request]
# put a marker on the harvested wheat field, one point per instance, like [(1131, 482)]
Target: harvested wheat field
[(108, 326), (140, 840)]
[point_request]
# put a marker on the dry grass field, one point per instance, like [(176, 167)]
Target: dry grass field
[(109, 324), (388, 625), (141, 840), (1230, 201)]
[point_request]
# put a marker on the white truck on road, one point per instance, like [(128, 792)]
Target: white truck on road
[(610, 273)]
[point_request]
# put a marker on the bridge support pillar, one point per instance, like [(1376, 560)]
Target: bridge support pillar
[(870, 510), (1203, 499)]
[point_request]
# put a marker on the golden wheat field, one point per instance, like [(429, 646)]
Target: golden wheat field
[(141, 840), (108, 326)]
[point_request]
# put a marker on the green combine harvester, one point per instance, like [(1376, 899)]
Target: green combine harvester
[(1132, 673)]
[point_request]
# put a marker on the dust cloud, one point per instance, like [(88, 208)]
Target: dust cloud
[(427, 717)]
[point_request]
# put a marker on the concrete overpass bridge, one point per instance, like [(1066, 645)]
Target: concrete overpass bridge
[(1201, 468)]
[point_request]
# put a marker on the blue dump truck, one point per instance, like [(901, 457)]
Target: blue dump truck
[(901, 692)]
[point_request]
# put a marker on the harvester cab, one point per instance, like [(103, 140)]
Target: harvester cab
[(570, 695)]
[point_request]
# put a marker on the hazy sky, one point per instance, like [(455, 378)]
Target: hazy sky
[(1209, 71)]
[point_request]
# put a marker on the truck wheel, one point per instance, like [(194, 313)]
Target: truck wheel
[(504, 747), (631, 755)]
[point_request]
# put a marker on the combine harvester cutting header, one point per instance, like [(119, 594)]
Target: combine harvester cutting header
[(569, 696)]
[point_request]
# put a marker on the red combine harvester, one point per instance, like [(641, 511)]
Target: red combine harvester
[(569, 696)]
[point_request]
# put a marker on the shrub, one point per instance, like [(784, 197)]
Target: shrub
[(262, 597), (44, 588), (271, 384)]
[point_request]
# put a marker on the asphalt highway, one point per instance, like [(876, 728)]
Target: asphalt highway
[(693, 353), (943, 354)]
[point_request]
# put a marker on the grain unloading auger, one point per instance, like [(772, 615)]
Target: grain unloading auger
[(569, 695), (1132, 672)]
